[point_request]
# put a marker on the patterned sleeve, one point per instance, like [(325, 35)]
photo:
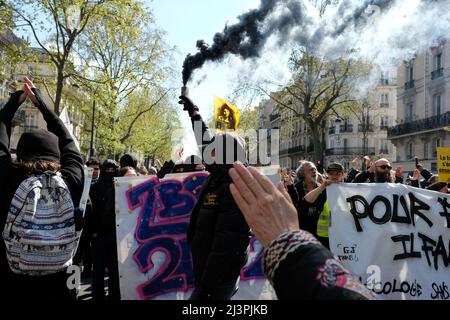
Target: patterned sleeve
[(299, 267)]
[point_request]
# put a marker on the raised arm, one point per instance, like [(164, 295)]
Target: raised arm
[(71, 161), (203, 135)]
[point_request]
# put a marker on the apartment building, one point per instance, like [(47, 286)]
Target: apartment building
[(423, 113)]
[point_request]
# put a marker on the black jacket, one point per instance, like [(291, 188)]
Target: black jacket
[(218, 233), (71, 161), (103, 218)]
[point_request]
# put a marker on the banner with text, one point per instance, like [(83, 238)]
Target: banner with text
[(154, 257), (395, 237)]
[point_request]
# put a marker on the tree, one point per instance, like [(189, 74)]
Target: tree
[(64, 21), (152, 131), (123, 54), (318, 87)]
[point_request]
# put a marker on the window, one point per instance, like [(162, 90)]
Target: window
[(384, 122), (410, 72), (384, 78), (30, 120), (409, 112), (437, 66), (436, 144), (436, 105), (409, 151), (437, 61), (384, 100), (384, 149), (425, 150)]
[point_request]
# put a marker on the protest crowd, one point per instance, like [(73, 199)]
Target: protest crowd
[(44, 232)]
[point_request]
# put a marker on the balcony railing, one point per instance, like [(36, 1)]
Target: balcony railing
[(365, 128), (384, 105), (384, 151), (274, 116), (384, 127), (292, 150), (346, 128), (435, 122), (437, 73), (348, 151), (409, 85)]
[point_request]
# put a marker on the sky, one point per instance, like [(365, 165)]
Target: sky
[(185, 22), (188, 21)]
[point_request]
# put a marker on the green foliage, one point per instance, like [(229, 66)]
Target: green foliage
[(125, 62)]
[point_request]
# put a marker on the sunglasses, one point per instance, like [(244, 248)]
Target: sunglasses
[(384, 167)]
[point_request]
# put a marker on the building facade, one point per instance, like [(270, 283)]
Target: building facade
[(364, 131), (423, 113)]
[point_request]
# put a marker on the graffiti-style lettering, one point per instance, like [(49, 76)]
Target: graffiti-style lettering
[(406, 254), (390, 212), (176, 272), (437, 250), (445, 205), (161, 227), (440, 291), (413, 288), (254, 270)]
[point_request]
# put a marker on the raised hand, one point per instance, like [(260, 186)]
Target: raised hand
[(267, 209), (27, 88)]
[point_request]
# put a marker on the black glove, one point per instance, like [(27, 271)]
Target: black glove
[(189, 106), (165, 169)]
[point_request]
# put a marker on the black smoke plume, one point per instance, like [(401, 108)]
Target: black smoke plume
[(248, 36)]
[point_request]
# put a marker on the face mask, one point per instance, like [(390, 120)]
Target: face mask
[(107, 176), (382, 177)]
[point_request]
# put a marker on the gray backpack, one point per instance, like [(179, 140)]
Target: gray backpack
[(39, 233)]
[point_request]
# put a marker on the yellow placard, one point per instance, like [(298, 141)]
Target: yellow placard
[(226, 116), (443, 157)]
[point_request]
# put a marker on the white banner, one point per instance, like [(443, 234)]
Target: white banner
[(395, 237), (154, 257)]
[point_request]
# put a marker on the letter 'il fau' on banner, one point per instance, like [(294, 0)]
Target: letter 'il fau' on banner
[(152, 218), (443, 157), (396, 238)]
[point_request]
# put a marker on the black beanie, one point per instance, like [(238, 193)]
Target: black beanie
[(127, 160), (38, 144)]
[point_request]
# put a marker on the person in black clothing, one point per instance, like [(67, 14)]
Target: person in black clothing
[(217, 233), (84, 253), (104, 242), (379, 172), (37, 151), (307, 181)]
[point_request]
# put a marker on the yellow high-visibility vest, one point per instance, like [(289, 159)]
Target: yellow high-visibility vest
[(324, 221)]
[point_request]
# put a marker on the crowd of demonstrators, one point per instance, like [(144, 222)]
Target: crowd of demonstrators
[(291, 220), (218, 233), (47, 175), (297, 265)]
